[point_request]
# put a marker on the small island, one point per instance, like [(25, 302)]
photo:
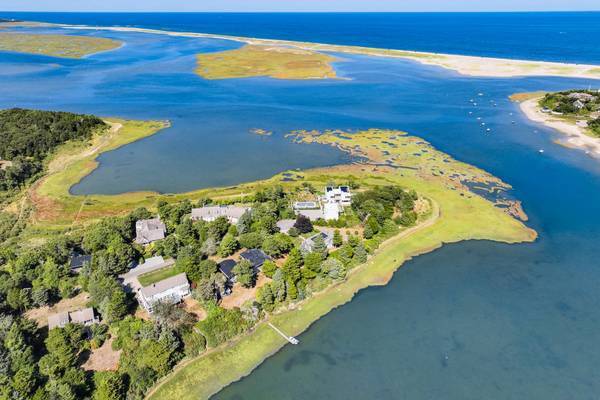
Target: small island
[(63, 46), (575, 113), (279, 62)]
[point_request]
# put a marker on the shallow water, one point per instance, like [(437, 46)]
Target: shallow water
[(469, 321)]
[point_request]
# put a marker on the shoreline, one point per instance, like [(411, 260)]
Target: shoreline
[(377, 271), (576, 137), (462, 64)]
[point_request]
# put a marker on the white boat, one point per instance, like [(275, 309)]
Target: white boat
[(541, 150)]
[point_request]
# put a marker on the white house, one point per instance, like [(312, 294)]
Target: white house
[(85, 317), (149, 230), (171, 290), (210, 213), (340, 195)]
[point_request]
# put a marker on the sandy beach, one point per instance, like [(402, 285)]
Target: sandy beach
[(465, 65), (576, 136)]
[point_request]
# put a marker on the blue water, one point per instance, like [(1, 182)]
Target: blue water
[(475, 320), (558, 36)]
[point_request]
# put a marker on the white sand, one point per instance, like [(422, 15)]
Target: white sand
[(466, 65), (576, 136)]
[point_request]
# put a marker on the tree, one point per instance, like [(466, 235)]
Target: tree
[(209, 247), (218, 228), (408, 218), (205, 291), (269, 268), (337, 238), (64, 344), (320, 247), (245, 274), (312, 265), (245, 223), (194, 343), (303, 224), (188, 261), (291, 289), (109, 385), (278, 286), (360, 254), (228, 245), (252, 240), (345, 253), (172, 316), (368, 232), (334, 269), (277, 245), (293, 232), (292, 265), (266, 298)]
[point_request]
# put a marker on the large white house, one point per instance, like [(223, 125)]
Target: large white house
[(171, 290), (340, 195), (210, 213)]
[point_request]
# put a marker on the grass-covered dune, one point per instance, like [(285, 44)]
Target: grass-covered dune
[(65, 46), (273, 61)]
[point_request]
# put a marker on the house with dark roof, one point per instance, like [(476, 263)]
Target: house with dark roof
[(149, 230), (78, 261), (256, 257), (226, 268)]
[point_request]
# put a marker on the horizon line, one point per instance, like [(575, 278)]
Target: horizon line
[(302, 12)]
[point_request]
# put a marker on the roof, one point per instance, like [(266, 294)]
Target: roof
[(152, 262), (285, 225), (149, 230), (256, 257), (305, 205), (312, 214), (58, 320), (218, 211), (79, 260), (81, 316), (226, 267), (164, 285)]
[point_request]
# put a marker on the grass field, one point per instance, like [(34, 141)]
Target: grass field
[(273, 61), (149, 278), (458, 215), (65, 46)]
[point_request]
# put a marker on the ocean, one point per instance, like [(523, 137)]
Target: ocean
[(472, 320), (555, 36)]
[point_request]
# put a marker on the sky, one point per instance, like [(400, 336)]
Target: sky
[(299, 5)]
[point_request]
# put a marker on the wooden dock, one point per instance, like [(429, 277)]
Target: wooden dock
[(290, 339)]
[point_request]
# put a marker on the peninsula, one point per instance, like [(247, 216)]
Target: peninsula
[(575, 113), (298, 244)]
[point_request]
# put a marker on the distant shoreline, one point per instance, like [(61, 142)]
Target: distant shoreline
[(465, 65), (576, 136)]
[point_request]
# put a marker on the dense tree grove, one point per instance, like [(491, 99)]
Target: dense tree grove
[(28, 136)]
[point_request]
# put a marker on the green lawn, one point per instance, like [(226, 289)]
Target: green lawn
[(149, 278)]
